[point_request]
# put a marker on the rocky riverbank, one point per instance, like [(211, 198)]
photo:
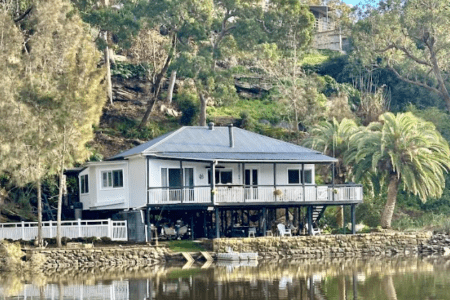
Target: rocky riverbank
[(358, 245)]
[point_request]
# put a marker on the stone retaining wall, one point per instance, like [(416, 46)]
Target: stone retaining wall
[(358, 245), (438, 244), (98, 257)]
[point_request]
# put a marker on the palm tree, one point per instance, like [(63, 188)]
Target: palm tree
[(332, 139), (408, 151)]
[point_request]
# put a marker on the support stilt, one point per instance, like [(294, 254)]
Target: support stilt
[(353, 217), (217, 223), (310, 220)]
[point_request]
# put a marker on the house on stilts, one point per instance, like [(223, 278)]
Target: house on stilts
[(213, 178)]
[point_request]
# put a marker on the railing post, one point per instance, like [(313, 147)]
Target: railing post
[(23, 230), (79, 228), (213, 181), (110, 229), (50, 235)]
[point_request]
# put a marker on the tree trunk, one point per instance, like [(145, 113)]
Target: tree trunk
[(437, 72), (388, 212), (39, 208), (58, 217), (202, 117), (157, 86), (108, 76), (173, 77)]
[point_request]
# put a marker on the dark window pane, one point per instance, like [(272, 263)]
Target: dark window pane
[(308, 176), (174, 178), (255, 177), (293, 176), (247, 177), (118, 178), (226, 177)]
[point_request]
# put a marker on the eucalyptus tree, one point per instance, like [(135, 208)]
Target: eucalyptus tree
[(63, 66), (408, 151), (333, 139), (410, 38), (54, 98)]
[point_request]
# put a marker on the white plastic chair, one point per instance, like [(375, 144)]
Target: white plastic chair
[(283, 231), (252, 232), (314, 231)]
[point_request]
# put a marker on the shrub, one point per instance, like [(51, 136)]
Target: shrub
[(189, 106)]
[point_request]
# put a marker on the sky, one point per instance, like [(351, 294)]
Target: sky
[(352, 2)]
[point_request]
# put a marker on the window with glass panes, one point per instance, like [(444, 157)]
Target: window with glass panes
[(112, 179), (295, 176), (84, 184)]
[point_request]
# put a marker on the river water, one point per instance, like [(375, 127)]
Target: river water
[(400, 278)]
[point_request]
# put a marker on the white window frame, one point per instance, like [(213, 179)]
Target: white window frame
[(184, 174), (81, 184), (300, 176), (220, 171), (111, 187)]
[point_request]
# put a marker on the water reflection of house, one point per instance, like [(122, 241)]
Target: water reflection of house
[(328, 35)]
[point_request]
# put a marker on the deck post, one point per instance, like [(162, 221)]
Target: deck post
[(332, 179), (353, 216), (192, 226), (264, 221), (217, 223), (309, 220), (303, 182), (243, 181), (275, 180), (205, 229), (343, 217), (149, 226), (213, 181), (181, 181), (287, 216)]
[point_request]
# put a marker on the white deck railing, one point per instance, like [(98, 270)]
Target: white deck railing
[(115, 230), (240, 194)]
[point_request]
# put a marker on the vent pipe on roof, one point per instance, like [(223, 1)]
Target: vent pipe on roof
[(211, 126), (230, 131)]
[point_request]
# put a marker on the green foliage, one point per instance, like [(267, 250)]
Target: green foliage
[(409, 38), (189, 106), (407, 146), (127, 70), (255, 109)]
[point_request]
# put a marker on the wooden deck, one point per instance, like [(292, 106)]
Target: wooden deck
[(260, 195)]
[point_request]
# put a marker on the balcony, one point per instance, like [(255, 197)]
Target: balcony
[(244, 195)]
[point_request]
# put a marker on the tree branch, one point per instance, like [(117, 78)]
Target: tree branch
[(406, 52), (25, 14), (430, 88)]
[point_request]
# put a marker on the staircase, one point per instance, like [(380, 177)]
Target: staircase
[(317, 213)]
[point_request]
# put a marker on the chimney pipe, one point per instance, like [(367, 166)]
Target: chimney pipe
[(230, 131), (211, 125)]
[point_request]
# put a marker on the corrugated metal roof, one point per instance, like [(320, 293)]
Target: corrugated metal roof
[(201, 143)]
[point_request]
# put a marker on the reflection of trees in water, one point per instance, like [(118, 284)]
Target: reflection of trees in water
[(305, 279), (388, 287)]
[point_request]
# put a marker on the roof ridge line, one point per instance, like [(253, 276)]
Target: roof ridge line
[(292, 144), (170, 135)]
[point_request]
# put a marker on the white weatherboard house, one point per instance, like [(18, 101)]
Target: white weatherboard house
[(209, 170)]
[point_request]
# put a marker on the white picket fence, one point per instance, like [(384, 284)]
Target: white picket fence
[(115, 230)]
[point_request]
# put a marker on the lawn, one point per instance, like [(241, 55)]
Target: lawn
[(185, 246)]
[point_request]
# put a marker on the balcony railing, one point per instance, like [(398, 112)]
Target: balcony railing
[(257, 194)]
